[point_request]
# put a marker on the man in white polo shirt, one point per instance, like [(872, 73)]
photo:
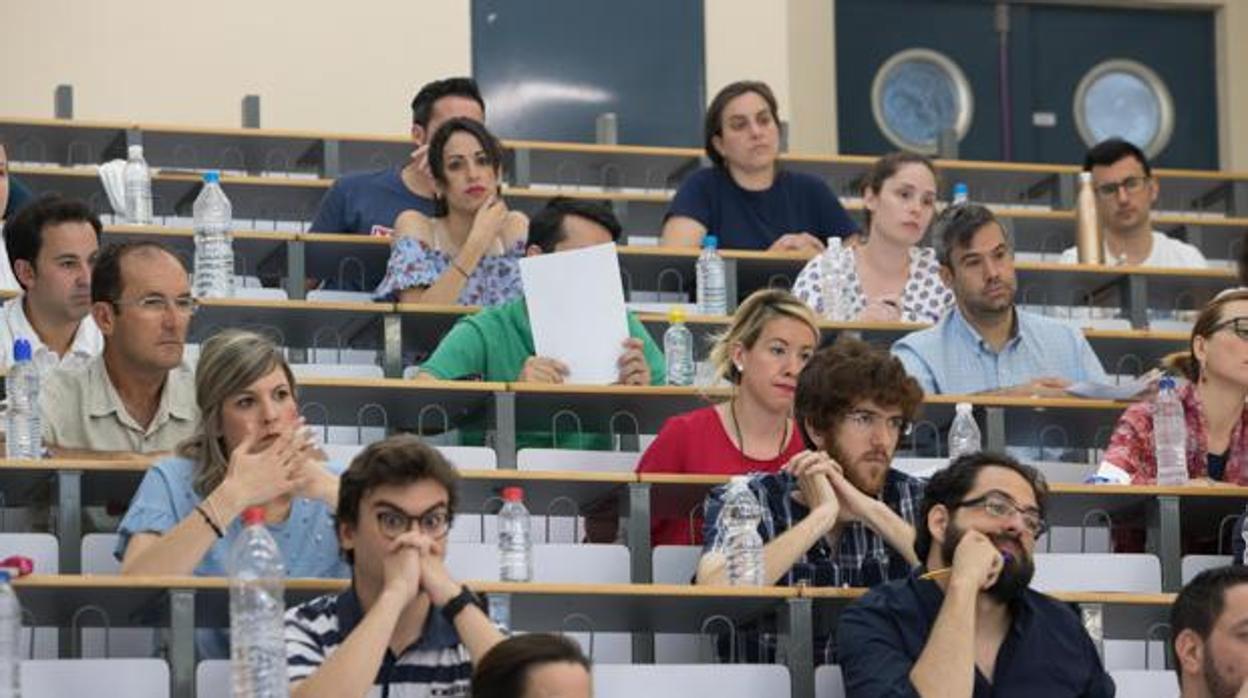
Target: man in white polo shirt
[(52, 245), (1125, 193)]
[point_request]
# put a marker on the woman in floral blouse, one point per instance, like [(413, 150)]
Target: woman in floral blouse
[(469, 253), (1216, 366), (888, 277)]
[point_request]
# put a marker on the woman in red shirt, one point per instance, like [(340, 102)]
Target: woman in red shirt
[(772, 336)]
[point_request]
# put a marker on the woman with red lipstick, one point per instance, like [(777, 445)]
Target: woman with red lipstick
[(469, 253), (889, 278), (771, 338), (249, 450)]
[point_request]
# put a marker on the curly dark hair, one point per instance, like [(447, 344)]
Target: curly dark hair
[(841, 375)]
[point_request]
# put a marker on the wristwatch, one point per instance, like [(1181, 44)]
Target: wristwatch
[(457, 604)]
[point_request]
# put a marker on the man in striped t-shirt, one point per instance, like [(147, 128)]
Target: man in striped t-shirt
[(403, 628)]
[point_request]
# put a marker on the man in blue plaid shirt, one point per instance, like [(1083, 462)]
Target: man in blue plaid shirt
[(837, 515)]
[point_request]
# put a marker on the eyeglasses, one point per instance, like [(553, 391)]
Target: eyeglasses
[(159, 305), (1238, 325), (1130, 185), (1000, 506), (866, 420), (394, 523)]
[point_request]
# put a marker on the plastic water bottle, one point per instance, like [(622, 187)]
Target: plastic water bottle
[(740, 541), (678, 349), (515, 541), (138, 179), (257, 643), (23, 430), (214, 243), (832, 269), (964, 436), (10, 639), (712, 291), (1170, 434), (961, 194)]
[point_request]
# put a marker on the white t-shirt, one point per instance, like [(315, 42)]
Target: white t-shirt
[(1167, 252), (88, 342), (8, 282)]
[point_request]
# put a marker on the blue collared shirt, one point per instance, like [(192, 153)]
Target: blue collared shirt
[(1046, 652), (952, 357)]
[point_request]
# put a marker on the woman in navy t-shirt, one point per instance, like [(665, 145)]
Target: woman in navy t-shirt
[(744, 198)]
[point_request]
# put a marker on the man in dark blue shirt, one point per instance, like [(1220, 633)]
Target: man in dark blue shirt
[(368, 202), (971, 626)]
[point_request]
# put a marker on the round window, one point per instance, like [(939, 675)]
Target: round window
[(917, 94), (1125, 99)]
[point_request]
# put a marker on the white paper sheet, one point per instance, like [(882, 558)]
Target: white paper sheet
[(576, 310), (1124, 391)]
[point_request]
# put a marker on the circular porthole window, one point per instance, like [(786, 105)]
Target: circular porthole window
[(1125, 99), (917, 94)]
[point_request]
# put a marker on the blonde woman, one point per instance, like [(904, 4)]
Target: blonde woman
[(772, 336), (249, 450)]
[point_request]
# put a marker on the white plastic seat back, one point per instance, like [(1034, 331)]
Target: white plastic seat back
[(470, 457), (576, 460), (97, 558), (684, 680), (676, 564), (1135, 654), (1192, 565), (1123, 572), (212, 679), (828, 682), (97, 554), (44, 551), (329, 370), (1146, 684), (329, 296), (919, 467), (255, 293), (342, 453), (58, 678)]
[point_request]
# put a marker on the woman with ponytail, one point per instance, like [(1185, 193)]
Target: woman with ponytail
[(1216, 368)]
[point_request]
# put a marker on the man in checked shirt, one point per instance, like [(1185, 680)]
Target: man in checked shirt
[(837, 514)]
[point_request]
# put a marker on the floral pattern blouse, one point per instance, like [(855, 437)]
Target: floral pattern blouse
[(1131, 448), (413, 263), (924, 299)]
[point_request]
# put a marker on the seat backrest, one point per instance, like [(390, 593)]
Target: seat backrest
[(558, 563), (330, 296), (57, 678), (1124, 572), (212, 679), (42, 549), (337, 371), (828, 682), (575, 460), (915, 466), (1192, 565), (683, 680), (1146, 684), (675, 564), (470, 457), (260, 294), (97, 554)]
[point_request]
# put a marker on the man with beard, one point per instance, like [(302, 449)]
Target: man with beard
[(1209, 627), (967, 624), (837, 515), (984, 343)]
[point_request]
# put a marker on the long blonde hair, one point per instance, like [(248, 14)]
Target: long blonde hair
[(229, 362), (760, 308)]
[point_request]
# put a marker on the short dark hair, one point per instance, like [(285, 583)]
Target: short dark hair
[(956, 226), (848, 371), (106, 281), (23, 234), (1111, 150), (950, 485), (1199, 604), (422, 103), (546, 226), (397, 460), (437, 145), (884, 168), (713, 126), (504, 671)]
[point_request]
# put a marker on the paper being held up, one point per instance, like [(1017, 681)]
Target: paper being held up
[(1123, 391), (576, 310)]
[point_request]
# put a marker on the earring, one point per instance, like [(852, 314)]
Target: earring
[(739, 369)]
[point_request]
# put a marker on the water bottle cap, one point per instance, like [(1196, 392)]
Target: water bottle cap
[(21, 350), (710, 242), (960, 188), (135, 151), (513, 494), (212, 177), (5, 576), (1166, 383), (1085, 177), (253, 516), (675, 315), (962, 407)]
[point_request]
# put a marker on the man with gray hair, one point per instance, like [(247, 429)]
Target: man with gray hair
[(984, 343)]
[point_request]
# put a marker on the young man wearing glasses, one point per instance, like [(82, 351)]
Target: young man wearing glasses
[(136, 397), (404, 626), (1125, 194), (837, 515), (967, 624)]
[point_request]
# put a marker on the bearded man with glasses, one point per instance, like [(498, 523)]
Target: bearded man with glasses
[(404, 627), (968, 624)]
